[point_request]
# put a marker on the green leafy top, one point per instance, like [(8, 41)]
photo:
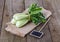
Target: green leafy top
[(35, 14)]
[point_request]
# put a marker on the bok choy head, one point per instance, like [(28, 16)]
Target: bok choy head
[(35, 14)]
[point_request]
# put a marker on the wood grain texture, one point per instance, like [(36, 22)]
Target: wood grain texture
[(11, 7), (5, 36), (1, 12), (54, 24)]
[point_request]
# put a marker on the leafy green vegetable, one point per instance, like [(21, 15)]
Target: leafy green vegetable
[(35, 14), (19, 16), (33, 9), (21, 22)]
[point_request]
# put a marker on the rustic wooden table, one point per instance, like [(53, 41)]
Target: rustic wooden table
[(52, 30)]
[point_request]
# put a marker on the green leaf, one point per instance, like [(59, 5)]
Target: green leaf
[(21, 23), (35, 14)]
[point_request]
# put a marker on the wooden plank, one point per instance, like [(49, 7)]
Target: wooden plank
[(55, 21), (28, 3), (15, 6), (5, 36), (11, 6), (1, 12)]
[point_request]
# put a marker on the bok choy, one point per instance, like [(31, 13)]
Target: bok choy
[(33, 14)]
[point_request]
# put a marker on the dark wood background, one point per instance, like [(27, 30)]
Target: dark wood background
[(9, 7)]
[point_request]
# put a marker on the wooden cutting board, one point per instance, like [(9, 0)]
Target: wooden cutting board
[(25, 29)]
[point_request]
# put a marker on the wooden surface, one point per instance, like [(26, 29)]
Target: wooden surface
[(52, 30), (1, 12)]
